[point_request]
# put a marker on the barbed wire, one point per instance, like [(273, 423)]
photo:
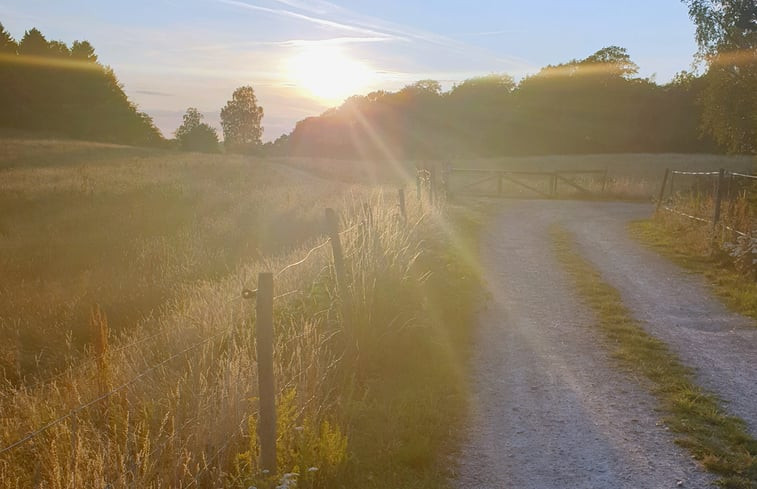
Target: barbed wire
[(700, 173), (108, 394), (743, 175), (300, 262), (675, 211)]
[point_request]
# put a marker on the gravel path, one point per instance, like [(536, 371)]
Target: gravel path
[(549, 408), (673, 305)]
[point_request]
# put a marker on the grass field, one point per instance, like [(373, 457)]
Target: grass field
[(123, 269)]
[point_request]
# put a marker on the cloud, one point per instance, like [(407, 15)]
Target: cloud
[(339, 18), (307, 18), (154, 93)]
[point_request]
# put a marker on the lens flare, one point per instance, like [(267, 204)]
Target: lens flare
[(327, 73)]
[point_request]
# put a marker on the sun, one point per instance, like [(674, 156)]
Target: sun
[(327, 73)]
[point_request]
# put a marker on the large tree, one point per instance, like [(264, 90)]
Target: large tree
[(195, 135), (241, 120), (727, 37)]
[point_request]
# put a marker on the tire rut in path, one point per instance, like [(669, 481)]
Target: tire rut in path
[(549, 408), (673, 305)]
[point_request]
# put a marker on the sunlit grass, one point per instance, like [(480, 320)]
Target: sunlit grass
[(375, 401)]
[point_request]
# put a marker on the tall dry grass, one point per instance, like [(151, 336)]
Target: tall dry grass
[(127, 228), (178, 389)]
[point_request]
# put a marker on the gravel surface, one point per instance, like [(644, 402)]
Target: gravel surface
[(549, 408), (673, 305)]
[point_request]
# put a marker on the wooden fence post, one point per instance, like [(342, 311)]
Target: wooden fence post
[(401, 195), (718, 199), (332, 229), (662, 190), (431, 185), (266, 392)]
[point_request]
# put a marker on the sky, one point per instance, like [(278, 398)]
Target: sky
[(304, 56)]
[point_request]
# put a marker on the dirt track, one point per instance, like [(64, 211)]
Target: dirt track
[(550, 409)]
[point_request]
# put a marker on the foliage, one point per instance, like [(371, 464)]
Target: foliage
[(195, 135), (240, 119), (56, 89), (727, 37), (591, 105)]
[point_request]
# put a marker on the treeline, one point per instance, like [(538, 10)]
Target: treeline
[(593, 105), (52, 88)]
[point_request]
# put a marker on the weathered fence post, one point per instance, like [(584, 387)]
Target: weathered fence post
[(718, 199), (401, 195), (418, 184), (431, 185), (266, 392), (662, 190), (332, 229)]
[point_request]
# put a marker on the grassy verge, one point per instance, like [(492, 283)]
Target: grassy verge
[(683, 244), (720, 442), (411, 394)]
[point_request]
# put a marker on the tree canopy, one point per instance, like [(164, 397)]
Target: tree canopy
[(727, 37), (195, 135), (591, 105), (52, 88), (241, 120)]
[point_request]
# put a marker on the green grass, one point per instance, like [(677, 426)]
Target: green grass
[(407, 419), (683, 244), (718, 441), (376, 401)]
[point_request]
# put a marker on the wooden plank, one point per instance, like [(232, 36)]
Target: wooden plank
[(533, 189), (573, 184)]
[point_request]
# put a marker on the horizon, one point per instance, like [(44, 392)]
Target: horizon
[(172, 60)]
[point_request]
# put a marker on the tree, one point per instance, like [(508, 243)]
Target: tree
[(240, 120), (727, 37), (195, 135), (7, 44), (33, 44), (613, 60)]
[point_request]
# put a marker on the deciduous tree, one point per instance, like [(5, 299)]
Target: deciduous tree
[(241, 120), (195, 135)]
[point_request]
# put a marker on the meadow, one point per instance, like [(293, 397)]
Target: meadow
[(130, 354), (131, 359)]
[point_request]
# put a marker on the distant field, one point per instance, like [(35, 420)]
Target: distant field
[(630, 176), (125, 228)]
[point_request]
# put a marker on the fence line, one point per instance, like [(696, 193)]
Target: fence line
[(677, 172), (721, 182), (246, 294), (108, 394), (744, 175)]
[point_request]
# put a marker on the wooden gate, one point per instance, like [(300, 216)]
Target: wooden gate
[(528, 184)]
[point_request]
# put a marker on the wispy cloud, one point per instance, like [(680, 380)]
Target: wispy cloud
[(307, 18), (154, 93), (492, 33), (336, 17)]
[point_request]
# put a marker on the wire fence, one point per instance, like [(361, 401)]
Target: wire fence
[(719, 193), (72, 413)]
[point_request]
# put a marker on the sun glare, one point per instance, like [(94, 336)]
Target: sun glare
[(327, 73)]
